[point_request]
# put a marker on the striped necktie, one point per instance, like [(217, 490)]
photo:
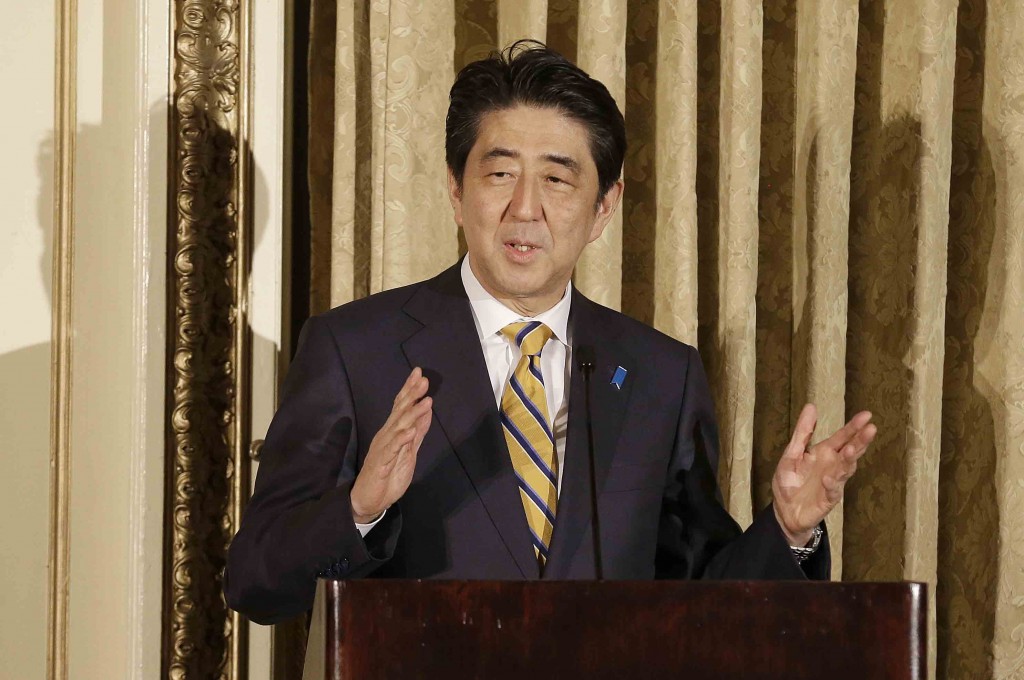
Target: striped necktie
[(528, 433)]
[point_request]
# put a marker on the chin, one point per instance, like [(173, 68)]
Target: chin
[(521, 286), (519, 292)]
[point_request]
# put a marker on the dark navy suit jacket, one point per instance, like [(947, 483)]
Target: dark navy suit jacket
[(656, 446)]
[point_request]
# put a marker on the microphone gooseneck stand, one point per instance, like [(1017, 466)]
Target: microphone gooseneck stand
[(586, 364)]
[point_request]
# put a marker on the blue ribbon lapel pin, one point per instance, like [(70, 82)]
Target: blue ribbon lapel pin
[(618, 377)]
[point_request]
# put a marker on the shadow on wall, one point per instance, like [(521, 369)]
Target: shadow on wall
[(969, 513), (886, 178), (26, 372), (25, 443), (25, 399)]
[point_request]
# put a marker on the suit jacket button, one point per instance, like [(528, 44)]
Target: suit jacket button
[(344, 565)]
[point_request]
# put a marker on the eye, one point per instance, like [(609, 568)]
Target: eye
[(501, 174)]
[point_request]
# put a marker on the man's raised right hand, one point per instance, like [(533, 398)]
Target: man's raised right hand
[(389, 464)]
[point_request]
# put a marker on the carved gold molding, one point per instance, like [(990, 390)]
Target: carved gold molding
[(208, 334), (65, 124)]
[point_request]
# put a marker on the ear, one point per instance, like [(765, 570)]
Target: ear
[(455, 196), (605, 209)]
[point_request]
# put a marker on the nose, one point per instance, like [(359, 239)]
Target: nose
[(526, 205)]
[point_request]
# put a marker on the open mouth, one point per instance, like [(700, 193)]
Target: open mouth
[(521, 247)]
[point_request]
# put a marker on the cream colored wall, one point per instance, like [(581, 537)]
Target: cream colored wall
[(26, 179), (118, 398), (115, 503), (118, 313), (117, 357), (269, 122)]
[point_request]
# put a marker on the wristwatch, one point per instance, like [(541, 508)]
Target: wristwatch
[(801, 554)]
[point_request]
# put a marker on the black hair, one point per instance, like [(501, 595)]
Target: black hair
[(527, 72)]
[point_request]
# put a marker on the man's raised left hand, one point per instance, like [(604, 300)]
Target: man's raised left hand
[(809, 480)]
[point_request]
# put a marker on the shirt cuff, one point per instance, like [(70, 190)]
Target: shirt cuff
[(366, 528)]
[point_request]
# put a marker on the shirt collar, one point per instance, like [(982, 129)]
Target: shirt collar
[(491, 316)]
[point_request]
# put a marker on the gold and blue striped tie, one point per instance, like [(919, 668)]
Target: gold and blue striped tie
[(528, 433)]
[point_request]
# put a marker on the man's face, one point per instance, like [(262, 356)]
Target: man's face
[(528, 204)]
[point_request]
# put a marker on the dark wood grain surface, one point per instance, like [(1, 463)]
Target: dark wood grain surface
[(663, 629)]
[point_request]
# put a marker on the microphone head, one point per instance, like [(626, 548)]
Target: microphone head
[(585, 357)]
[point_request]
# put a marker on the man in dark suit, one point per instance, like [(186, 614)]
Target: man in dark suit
[(478, 468)]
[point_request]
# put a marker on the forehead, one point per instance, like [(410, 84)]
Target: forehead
[(533, 132)]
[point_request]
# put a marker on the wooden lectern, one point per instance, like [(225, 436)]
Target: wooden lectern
[(617, 629)]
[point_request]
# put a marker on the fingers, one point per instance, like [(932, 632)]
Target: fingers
[(847, 466), (804, 430), (410, 426), (391, 460), (414, 388), (411, 394), (859, 443), (848, 432), (420, 429), (409, 419), (822, 475), (415, 421), (863, 438)]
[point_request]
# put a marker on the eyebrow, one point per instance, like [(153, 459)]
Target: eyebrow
[(567, 162), (500, 152)]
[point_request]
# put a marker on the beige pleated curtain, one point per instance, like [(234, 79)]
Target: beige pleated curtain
[(825, 196)]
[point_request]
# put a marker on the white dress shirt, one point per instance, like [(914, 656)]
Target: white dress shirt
[(501, 356)]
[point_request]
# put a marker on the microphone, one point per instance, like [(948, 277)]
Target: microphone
[(585, 361)]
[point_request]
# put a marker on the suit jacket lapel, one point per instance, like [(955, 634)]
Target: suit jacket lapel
[(448, 351), (608, 409)]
